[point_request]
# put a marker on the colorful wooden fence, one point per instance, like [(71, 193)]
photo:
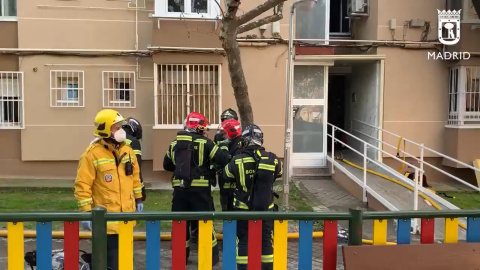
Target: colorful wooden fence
[(179, 226)]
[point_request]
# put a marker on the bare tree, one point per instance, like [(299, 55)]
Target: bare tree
[(232, 25)]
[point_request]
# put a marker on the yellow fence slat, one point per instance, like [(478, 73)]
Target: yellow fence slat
[(15, 245), (451, 231), (205, 230), (280, 242), (125, 245), (380, 232)]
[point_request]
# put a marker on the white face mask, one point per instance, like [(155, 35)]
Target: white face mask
[(120, 135)]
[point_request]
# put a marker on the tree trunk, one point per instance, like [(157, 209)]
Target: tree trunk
[(239, 84)]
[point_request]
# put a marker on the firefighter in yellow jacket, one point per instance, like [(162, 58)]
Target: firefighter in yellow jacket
[(108, 175)]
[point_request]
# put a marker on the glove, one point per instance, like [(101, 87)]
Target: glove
[(87, 225), (139, 205)]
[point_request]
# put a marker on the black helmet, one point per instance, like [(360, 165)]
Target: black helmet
[(229, 114), (133, 128), (252, 134)]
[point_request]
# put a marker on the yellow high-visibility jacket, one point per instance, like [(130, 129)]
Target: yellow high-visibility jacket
[(101, 180)]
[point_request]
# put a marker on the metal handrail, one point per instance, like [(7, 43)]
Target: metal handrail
[(365, 158), (424, 162), (421, 160), (375, 147), (419, 145)]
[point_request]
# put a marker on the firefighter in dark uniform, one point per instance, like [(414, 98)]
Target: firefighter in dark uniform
[(222, 140), (233, 130), (134, 131), (254, 170), (189, 158)]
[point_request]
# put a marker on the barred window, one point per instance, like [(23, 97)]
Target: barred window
[(67, 88), (11, 100), (464, 96), (185, 88), (119, 89)]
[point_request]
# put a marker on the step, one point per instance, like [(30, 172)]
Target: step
[(323, 172)]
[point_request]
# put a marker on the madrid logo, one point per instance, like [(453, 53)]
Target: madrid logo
[(449, 27), (449, 34)]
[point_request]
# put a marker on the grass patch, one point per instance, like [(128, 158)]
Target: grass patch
[(16, 200), (465, 200)]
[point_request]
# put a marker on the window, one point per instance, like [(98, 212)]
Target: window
[(8, 9), (119, 89), (66, 88), (339, 20), (11, 100), (314, 23), (464, 96), (184, 88), (201, 9)]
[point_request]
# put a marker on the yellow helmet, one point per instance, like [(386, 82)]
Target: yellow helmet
[(104, 121)]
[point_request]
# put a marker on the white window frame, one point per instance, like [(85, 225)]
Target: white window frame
[(161, 11), (117, 102), (327, 25), (55, 76), (157, 76), (461, 118), (3, 17), (343, 16), (20, 99)]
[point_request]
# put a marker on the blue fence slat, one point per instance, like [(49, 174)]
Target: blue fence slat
[(473, 229), (403, 231), (153, 245), (305, 245), (44, 245), (229, 244)]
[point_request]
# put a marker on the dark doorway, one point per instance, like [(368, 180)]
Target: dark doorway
[(336, 105)]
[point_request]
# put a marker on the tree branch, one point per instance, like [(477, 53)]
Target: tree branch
[(252, 14), (221, 9), (255, 24), (232, 8)]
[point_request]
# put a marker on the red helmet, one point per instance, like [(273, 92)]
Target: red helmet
[(232, 127), (196, 121)]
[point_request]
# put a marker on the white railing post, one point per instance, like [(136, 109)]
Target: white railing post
[(421, 163), (415, 200), (333, 149), (365, 172)]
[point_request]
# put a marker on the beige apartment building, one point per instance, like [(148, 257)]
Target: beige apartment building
[(63, 61)]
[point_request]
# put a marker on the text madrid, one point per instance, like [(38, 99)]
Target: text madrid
[(449, 55)]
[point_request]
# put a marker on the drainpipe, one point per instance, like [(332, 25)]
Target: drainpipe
[(286, 156), (288, 131)]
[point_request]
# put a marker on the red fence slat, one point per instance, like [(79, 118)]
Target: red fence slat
[(427, 232), (330, 245), (179, 241), (254, 244), (71, 245)]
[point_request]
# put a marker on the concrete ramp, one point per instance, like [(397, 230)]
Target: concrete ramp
[(383, 194)]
